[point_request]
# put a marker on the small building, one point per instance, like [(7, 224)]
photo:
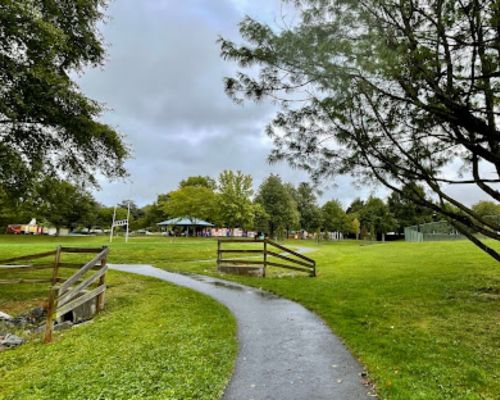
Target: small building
[(184, 226)]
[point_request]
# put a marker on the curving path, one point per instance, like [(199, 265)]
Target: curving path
[(286, 352)]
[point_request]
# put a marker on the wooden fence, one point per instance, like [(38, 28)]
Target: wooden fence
[(270, 254), (65, 294)]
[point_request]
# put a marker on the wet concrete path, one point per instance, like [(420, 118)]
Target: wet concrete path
[(285, 351)]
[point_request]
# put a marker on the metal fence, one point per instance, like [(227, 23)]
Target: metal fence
[(432, 231)]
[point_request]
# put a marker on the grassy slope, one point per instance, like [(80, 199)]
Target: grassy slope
[(423, 317), (154, 340)]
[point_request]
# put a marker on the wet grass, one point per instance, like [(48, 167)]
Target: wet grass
[(422, 317), (153, 341)]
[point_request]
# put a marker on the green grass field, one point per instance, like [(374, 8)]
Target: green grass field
[(424, 318), (153, 341)]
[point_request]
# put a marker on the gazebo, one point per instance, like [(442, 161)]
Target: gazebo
[(185, 222)]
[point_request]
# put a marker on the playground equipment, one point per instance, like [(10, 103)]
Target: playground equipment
[(120, 222), (30, 228)]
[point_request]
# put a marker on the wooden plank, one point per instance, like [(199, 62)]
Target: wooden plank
[(70, 294), (81, 249), (24, 280), (274, 264), (51, 310), (57, 260), (22, 268), (78, 274), (264, 259), (28, 257), (272, 253), (102, 281), (79, 301), (242, 251), (281, 247), (239, 261), (218, 252), (76, 266), (250, 240)]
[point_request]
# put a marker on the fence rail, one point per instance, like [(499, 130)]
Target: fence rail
[(264, 257), (65, 294)]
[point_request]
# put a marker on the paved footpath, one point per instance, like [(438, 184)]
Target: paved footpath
[(285, 351)]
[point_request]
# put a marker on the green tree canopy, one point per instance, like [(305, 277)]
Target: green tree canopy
[(198, 181), (307, 205), (334, 217), (234, 202), (488, 210), (260, 218), (356, 206), (47, 125), (376, 217), (385, 90), (406, 211), (192, 202), (278, 204), (65, 205)]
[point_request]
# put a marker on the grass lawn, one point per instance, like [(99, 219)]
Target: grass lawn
[(153, 341), (424, 318)]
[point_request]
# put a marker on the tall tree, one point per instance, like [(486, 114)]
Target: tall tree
[(66, 205), (335, 218), (47, 125), (192, 202), (279, 205), (356, 206), (307, 204), (355, 226), (489, 210), (14, 210), (260, 218), (151, 214), (392, 91), (405, 211), (198, 181), (235, 205), (376, 218)]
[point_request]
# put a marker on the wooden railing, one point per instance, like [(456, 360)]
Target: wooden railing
[(265, 256), (65, 294), (65, 298)]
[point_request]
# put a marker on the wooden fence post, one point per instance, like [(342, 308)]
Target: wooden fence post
[(265, 259), (218, 254), (51, 311), (53, 294), (55, 270), (102, 280)]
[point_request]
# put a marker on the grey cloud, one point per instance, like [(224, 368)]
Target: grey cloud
[(164, 84)]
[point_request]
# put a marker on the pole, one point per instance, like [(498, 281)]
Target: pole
[(128, 218), (112, 226)]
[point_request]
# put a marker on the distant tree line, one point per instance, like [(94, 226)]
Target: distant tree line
[(277, 208)]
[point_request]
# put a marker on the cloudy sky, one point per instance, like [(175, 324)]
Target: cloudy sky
[(163, 84)]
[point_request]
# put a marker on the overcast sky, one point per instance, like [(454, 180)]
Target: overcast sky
[(163, 84)]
